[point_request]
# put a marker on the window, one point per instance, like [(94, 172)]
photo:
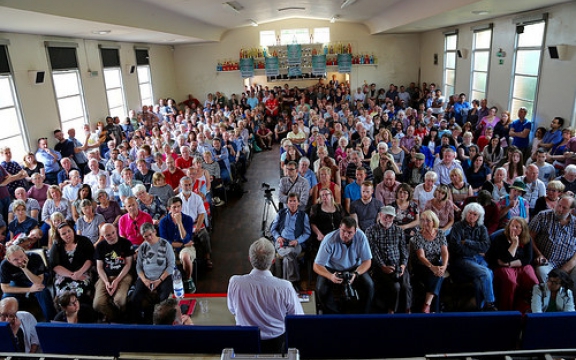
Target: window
[(291, 36), (68, 87), (481, 48), (322, 35), (113, 82), (301, 36), (267, 38), (144, 78), (527, 59), (10, 113), (450, 43)]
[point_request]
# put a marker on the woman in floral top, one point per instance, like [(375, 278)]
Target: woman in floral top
[(406, 210), (432, 258)]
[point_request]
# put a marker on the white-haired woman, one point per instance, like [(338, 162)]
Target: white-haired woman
[(425, 191), (149, 204), (468, 243)]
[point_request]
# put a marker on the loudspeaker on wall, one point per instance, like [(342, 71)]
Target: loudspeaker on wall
[(36, 77)]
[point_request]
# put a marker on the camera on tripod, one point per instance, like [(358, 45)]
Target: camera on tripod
[(349, 292), (267, 190)]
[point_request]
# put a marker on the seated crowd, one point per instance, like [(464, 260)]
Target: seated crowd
[(429, 187), (404, 175)]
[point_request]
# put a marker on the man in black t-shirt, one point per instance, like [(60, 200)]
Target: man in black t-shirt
[(22, 273), (114, 258)]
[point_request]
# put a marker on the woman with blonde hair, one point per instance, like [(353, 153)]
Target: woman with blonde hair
[(553, 191), (55, 219), (459, 189), (431, 250)]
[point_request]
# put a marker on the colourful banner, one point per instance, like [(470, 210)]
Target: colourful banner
[(272, 66), (247, 67), (294, 54), (344, 63), (318, 65)]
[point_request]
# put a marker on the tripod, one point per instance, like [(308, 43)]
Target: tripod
[(268, 203)]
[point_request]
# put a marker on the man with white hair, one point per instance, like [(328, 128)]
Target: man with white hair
[(32, 205), (535, 188), (260, 299), (569, 178), (92, 177), (448, 163), (70, 191)]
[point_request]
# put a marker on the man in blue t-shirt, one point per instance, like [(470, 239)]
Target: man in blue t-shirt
[(344, 251), (520, 132)]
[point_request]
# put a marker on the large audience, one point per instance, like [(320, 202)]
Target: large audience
[(467, 190)]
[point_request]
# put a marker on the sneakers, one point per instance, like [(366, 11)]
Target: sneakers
[(217, 201), (189, 287)]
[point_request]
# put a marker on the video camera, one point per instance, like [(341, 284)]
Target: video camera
[(267, 190), (349, 292)]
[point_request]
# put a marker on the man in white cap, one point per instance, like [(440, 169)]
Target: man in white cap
[(390, 259)]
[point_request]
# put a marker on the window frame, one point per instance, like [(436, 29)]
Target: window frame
[(65, 124), (446, 87), (533, 104), (473, 71)]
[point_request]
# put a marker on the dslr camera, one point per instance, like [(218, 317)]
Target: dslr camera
[(349, 292)]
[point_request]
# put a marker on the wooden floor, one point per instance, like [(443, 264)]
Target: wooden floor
[(238, 224)]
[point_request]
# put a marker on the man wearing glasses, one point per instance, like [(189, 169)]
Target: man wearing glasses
[(130, 223), (22, 324), (294, 183)]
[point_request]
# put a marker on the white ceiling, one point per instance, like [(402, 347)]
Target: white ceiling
[(197, 21)]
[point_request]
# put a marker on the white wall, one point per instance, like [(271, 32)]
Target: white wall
[(38, 102), (556, 93), (398, 57)]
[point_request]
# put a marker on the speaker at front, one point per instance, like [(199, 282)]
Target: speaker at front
[(36, 77)]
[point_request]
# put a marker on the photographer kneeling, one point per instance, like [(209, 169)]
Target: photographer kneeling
[(342, 251)]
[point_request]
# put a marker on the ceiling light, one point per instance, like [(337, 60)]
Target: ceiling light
[(252, 22), (480, 12), (101, 32), (292, 8), (234, 5), (334, 18), (347, 3)]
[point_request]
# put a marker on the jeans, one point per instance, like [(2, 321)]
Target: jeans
[(324, 290), (476, 269), (43, 297)]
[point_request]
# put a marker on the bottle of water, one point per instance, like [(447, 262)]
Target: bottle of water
[(177, 284)]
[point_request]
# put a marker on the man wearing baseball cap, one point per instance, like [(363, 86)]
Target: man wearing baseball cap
[(390, 259)]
